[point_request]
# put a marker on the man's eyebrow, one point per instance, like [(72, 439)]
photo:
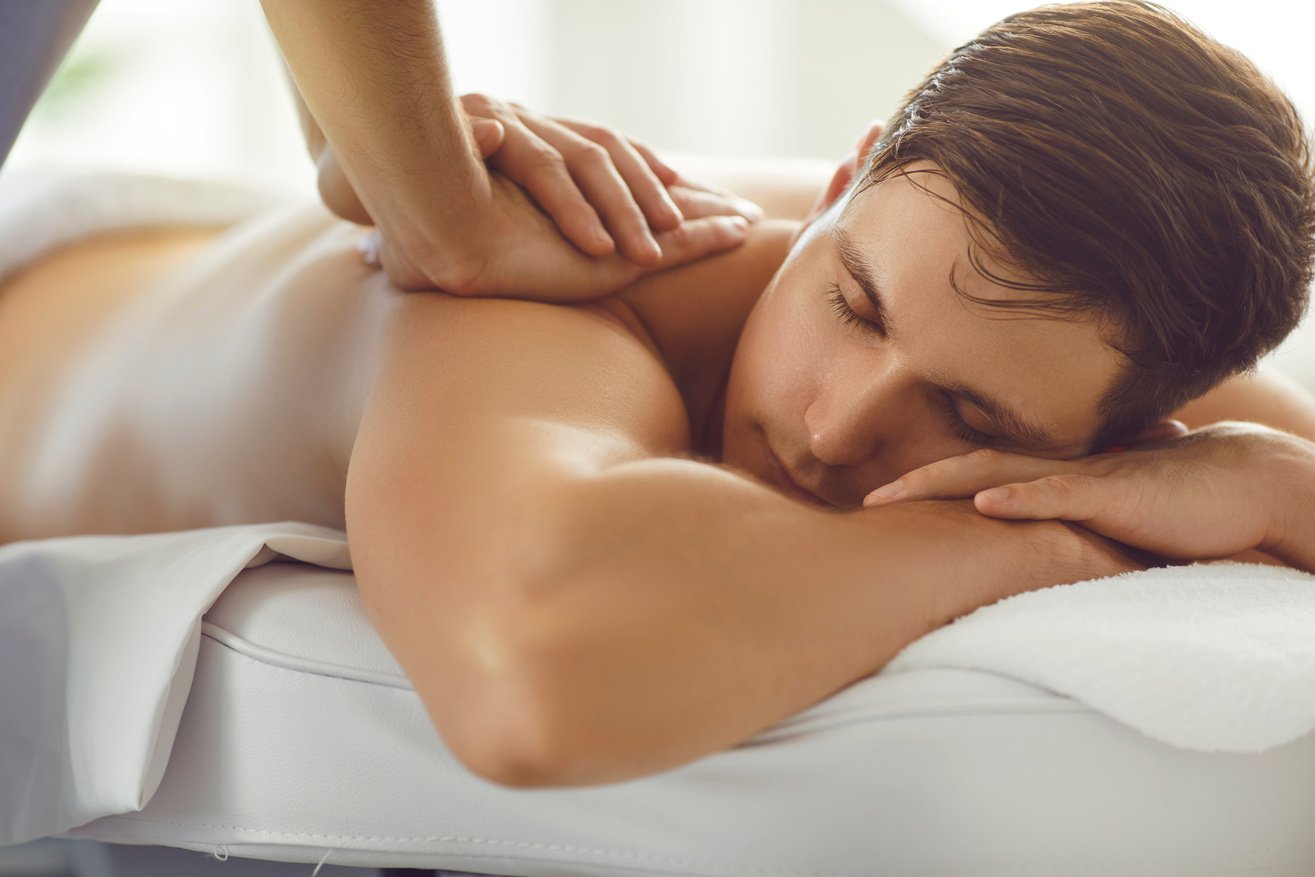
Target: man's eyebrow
[(861, 270), (1003, 415)]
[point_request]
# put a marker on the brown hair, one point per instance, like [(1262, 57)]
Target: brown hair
[(1141, 173)]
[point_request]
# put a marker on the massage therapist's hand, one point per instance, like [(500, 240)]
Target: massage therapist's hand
[(607, 192), (522, 254), (586, 180), (1210, 493), (557, 273)]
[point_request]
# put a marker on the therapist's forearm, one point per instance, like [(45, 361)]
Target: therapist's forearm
[(375, 78), (695, 608)]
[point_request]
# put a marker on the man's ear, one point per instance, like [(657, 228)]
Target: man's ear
[(845, 173)]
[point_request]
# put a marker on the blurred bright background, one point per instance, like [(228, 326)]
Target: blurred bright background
[(197, 88)]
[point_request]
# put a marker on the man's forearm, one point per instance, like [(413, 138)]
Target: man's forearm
[(694, 608), (1292, 535)]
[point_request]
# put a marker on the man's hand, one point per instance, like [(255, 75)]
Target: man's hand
[(1058, 552), (1211, 493)]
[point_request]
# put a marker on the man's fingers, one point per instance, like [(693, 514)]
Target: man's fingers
[(696, 238), (962, 476), (1069, 497)]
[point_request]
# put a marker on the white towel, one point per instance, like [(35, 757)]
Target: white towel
[(44, 209), (1216, 657)]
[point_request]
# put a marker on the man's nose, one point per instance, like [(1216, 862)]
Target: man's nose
[(852, 419)]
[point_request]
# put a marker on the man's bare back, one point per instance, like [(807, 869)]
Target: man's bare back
[(181, 378)]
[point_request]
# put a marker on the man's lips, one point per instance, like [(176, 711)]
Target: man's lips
[(781, 475)]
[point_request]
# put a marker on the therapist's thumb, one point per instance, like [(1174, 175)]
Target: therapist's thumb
[(377, 252), (489, 135)]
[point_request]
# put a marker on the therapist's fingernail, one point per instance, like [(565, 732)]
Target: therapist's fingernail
[(750, 210), (884, 494), (674, 215), (369, 249), (997, 495), (652, 248)]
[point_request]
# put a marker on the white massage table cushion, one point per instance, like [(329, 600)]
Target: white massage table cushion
[(302, 741)]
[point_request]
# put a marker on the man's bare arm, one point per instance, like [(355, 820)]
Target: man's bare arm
[(1265, 397), (694, 608), (1239, 486)]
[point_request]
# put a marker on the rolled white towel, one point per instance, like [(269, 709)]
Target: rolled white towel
[(1217, 657), (41, 210)]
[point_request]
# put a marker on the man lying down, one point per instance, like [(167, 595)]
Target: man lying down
[(605, 539)]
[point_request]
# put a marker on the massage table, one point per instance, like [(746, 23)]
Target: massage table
[(181, 702)]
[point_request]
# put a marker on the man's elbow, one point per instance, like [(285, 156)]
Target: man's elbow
[(504, 740), (502, 715), (521, 749), (533, 729), (511, 765), (542, 765)]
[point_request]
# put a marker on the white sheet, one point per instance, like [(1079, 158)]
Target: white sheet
[(98, 643)]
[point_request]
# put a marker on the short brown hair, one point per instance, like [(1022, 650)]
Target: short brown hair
[(1141, 172)]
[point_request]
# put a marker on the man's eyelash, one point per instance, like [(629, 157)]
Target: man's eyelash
[(961, 428), (957, 423), (846, 313)]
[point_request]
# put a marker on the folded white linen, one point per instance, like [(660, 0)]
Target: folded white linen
[(1215, 657), (44, 209), (98, 643)]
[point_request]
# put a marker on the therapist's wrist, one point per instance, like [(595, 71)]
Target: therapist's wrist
[(445, 238)]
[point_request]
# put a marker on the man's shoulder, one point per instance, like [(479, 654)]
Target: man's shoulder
[(691, 316)]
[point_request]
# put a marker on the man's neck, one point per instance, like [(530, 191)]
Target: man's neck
[(694, 315)]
